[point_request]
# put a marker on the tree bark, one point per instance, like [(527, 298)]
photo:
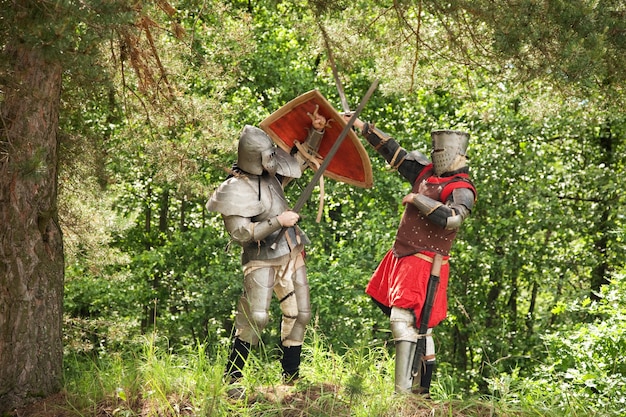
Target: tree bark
[(31, 244), (600, 274)]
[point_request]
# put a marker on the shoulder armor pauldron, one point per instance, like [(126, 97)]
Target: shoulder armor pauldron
[(417, 156), (237, 196)]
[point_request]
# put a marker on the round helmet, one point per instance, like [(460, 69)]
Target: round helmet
[(449, 148), (254, 153)]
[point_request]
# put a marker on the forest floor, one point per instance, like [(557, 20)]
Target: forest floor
[(289, 402), (54, 406)]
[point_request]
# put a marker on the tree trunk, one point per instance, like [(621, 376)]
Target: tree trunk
[(600, 274), (148, 318), (31, 245)]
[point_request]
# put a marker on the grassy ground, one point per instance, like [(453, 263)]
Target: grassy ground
[(157, 382)]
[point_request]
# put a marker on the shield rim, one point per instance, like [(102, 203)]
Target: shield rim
[(368, 180)]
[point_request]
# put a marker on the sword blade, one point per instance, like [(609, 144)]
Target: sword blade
[(333, 67)]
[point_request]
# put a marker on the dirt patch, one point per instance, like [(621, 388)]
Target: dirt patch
[(54, 406)]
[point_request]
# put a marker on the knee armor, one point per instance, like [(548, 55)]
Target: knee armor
[(403, 325), (253, 308)]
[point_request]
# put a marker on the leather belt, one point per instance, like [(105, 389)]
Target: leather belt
[(429, 258)]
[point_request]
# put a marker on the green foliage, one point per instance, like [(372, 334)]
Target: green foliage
[(579, 372), (155, 379), (585, 358), (194, 302), (571, 41), (547, 229)]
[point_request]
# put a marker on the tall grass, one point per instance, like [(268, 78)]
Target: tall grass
[(155, 381)]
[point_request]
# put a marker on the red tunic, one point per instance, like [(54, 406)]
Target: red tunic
[(402, 282), (401, 278)]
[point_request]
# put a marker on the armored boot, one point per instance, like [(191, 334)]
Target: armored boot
[(291, 363), (405, 352), (234, 368)]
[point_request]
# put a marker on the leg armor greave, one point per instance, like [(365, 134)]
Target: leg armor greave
[(405, 335), (403, 378), (299, 317), (253, 308)]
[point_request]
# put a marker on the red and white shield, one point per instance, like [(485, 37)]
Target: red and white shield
[(289, 126)]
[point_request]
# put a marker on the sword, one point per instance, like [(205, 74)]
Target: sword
[(431, 292), (329, 156), (333, 67)]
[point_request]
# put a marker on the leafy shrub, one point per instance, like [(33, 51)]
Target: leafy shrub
[(583, 367)]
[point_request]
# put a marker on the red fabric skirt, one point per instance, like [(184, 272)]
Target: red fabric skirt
[(402, 282)]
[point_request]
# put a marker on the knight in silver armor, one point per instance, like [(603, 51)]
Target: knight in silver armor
[(254, 210), (441, 198)]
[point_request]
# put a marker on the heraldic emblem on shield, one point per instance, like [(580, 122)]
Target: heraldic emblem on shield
[(288, 128)]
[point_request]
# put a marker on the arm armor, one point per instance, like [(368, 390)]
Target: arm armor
[(314, 139), (243, 230), (408, 164), (449, 215)]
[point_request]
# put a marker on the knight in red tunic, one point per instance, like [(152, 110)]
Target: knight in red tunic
[(441, 198)]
